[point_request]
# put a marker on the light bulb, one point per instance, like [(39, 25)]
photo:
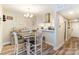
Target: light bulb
[(24, 15), (31, 15), (27, 15)]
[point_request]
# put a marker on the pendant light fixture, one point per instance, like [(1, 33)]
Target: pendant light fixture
[(28, 14)]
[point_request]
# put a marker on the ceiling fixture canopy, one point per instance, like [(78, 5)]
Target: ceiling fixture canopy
[(28, 14)]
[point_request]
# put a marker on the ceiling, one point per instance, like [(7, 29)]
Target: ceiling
[(34, 8), (71, 12), (64, 9)]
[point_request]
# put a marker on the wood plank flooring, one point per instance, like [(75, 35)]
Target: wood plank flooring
[(71, 47), (45, 48)]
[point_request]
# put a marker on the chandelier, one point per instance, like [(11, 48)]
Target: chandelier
[(28, 14)]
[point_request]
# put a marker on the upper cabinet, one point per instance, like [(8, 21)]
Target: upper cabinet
[(45, 20), (47, 17)]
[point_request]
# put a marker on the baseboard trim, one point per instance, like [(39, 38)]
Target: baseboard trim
[(5, 43), (56, 48), (49, 43)]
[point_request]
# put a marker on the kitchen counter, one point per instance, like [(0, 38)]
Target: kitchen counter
[(48, 30)]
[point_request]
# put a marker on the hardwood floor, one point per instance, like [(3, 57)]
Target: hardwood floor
[(71, 47), (45, 48)]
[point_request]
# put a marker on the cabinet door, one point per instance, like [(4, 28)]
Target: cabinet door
[(47, 18)]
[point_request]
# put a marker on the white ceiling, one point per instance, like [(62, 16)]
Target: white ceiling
[(44, 8), (35, 8), (74, 9)]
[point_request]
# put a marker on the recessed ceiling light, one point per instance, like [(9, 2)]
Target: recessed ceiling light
[(71, 12)]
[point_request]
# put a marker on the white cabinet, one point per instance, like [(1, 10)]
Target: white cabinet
[(50, 37), (44, 18)]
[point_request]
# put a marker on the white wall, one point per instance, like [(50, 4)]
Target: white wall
[(75, 29), (60, 31), (18, 22), (1, 28)]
